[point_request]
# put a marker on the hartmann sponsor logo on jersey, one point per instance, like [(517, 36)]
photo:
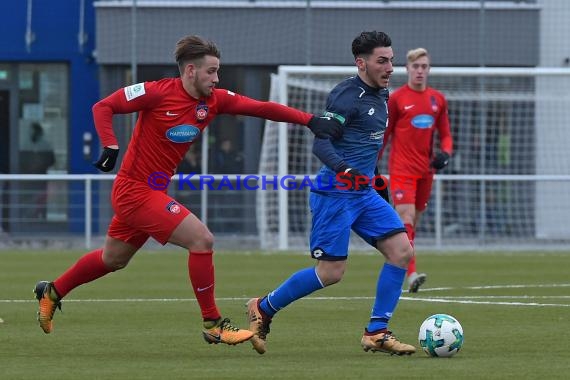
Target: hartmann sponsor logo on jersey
[(182, 133), (423, 121)]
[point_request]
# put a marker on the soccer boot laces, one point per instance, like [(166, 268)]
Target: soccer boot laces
[(384, 341), (222, 331)]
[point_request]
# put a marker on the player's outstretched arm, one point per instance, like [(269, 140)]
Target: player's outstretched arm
[(328, 125)]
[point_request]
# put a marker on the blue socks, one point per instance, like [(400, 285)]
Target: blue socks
[(388, 291), (300, 284), (306, 281)]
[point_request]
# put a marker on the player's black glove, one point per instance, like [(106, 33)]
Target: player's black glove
[(440, 160), (325, 127), (381, 187), (107, 160), (352, 178)]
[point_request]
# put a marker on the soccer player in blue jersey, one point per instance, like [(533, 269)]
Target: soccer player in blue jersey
[(360, 103)]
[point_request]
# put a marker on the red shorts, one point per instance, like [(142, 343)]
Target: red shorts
[(141, 212), (414, 190)]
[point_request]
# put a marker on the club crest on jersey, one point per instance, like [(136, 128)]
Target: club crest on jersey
[(201, 111), (173, 207), (399, 194), (433, 104), (183, 133)]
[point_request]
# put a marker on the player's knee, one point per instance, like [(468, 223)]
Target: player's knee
[(407, 253), (397, 249), (115, 260), (331, 278), (406, 213), (204, 242), (330, 272), (335, 279), (403, 254)]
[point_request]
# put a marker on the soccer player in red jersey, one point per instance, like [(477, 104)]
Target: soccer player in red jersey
[(416, 111), (173, 113)]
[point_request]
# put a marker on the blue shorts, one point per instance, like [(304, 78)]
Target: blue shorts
[(334, 216)]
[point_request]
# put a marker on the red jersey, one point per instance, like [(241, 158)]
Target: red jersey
[(170, 120), (413, 118)]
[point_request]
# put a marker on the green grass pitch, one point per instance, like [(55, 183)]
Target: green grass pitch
[(143, 322)]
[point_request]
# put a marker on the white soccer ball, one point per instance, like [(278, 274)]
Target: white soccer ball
[(441, 335)]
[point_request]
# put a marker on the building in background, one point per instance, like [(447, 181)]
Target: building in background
[(58, 58), (48, 75)]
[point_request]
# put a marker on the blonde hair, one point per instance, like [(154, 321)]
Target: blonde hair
[(417, 53)]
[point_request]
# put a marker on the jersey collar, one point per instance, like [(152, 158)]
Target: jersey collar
[(370, 89)]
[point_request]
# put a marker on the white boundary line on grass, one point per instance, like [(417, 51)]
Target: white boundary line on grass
[(504, 297), (460, 301), (485, 287), (441, 299), (469, 299), (457, 300)]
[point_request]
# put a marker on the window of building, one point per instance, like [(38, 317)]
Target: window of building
[(43, 125)]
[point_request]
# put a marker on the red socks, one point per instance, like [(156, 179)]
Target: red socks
[(201, 271), (411, 235), (200, 268), (88, 268)]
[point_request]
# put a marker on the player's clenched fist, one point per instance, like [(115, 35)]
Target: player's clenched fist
[(325, 127), (107, 160), (440, 160), (352, 179)]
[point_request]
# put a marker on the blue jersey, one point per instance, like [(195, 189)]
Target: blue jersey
[(365, 110)]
